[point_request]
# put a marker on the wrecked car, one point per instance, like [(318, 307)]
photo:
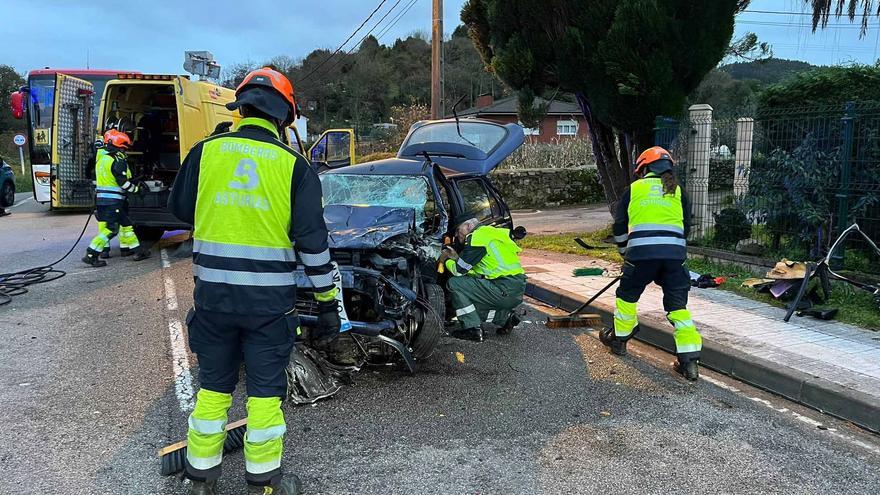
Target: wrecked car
[(388, 221)]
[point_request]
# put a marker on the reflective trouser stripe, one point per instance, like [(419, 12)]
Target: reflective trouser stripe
[(687, 338), (109, 195), (653, 241), (100, 241), (127, 238), (243, 252), (621, 238), (490, 316), (625, 318), (264, 440), (207, 429), (465, 310)]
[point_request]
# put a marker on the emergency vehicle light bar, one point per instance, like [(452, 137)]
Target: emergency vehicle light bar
[(147, 77)]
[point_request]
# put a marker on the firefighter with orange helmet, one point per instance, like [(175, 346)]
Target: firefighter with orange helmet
[(651, 227), (113, 184), (256, 209)]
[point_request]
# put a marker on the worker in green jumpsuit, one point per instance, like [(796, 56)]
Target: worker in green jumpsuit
[(487, 282)]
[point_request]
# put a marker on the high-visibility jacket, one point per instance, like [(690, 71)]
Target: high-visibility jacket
[(489, 252), (112, 177), (256, 207), (652, 225)]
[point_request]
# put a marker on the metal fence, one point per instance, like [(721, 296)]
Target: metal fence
[(781, 182)]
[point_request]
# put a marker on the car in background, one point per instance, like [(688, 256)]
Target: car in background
[(7, 185), (388, 221)]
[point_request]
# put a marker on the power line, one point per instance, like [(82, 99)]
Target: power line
[(381, 3), (397, 19)]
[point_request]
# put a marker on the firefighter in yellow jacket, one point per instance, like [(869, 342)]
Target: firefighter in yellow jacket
[(651, 227)]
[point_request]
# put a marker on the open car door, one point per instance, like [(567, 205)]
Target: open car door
[(71, 143), (334, 149), (470, 146)]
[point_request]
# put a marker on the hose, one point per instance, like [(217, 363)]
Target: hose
[(16, 283)]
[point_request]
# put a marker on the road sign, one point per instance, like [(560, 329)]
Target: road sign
[(19, 139)]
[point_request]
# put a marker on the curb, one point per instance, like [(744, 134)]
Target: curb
[(817, 393)]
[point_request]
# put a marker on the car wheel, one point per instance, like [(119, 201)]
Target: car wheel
[(431, 329), (7, 194)]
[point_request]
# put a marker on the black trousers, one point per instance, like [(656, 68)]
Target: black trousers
[(671, 275), (223, 340)]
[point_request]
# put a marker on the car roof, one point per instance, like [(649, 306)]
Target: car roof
[(395, 166)]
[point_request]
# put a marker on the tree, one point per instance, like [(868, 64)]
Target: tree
[(10, 82), (822, 11), (823, 86), (626, 61)]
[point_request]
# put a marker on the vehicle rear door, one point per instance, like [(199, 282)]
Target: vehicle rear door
[(72, 152)]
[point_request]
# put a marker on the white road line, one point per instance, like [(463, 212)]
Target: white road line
[(25, 200), (183, 386), (796, 415)]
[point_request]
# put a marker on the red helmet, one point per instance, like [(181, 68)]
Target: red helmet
[(117, 139), (261, 89), (657, 159)]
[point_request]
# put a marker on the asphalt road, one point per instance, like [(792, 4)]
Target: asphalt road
[(554, 221), (88, 392)]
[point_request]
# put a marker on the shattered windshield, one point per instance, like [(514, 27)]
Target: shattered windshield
[(483, 136), (393, 191)]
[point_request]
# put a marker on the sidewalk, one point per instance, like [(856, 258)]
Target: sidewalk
[(831, 366)]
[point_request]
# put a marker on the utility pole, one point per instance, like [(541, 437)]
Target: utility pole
[(437, 61)]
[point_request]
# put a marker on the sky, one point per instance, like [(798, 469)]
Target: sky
[(151, 36)]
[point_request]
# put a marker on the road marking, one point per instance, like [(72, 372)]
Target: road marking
[(25, 200), (183, 386)]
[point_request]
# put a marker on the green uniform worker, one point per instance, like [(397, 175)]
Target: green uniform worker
[(651, 227), (487, 282), (256, 209), (112, 186)]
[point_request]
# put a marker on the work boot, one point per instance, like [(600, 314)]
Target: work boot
[(202, 488), (618, 347), (141, 254), (474, 334), (92, 258), (289, 485), (512, 321), (689, 370), (105, 254), (126, 252)]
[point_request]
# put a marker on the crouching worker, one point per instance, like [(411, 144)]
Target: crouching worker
[(112, 186), (651, 229), (487, 282)]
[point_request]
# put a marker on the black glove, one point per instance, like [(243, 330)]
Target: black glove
[(142, 188), (327, 330)]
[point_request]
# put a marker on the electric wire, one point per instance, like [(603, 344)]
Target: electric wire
[(339, 49), (16, 283)]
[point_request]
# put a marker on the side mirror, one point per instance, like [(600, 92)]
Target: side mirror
[(519, 233), (17, 102)]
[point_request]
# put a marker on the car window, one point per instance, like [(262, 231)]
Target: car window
[(477, 200), (393, 191), (480, 135)]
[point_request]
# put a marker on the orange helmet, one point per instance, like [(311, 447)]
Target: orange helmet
[(268, 91), (117, 139), (657, 159)]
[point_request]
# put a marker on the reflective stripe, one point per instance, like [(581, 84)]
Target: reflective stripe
[(265, 434), (681, 349), (621, 238), (262, 467), (321, 280), (502, 266), (109, 188), (465, 310), (233, 277), (207, 426), (654, 241), (464, 265), (319, 259), (621, 250), (622, 317), (128, 186), (491, 316), (684, 324), (244, 252), (108, 195), (203, 463), (656, 226)]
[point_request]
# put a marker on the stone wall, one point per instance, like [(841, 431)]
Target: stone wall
[(543, 188)]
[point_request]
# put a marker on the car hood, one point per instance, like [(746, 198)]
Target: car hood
[(366, 227)]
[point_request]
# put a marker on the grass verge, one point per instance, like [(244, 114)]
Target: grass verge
[(856, 306)]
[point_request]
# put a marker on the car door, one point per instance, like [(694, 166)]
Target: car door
[(480, 201), (334, 149)]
